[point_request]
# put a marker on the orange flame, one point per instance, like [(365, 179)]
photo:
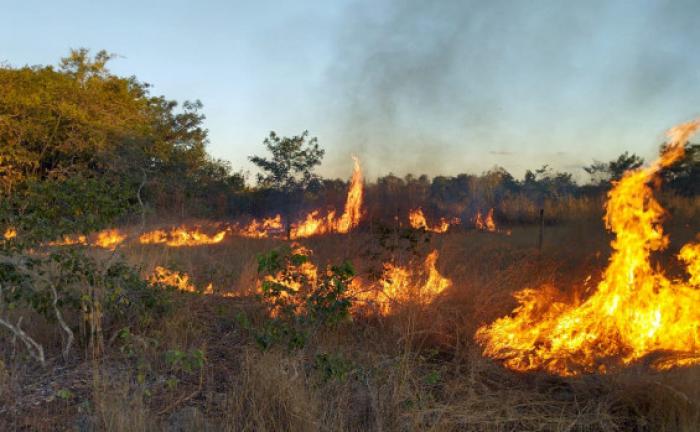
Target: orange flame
[(261, 229), (70, 240), (418, 221), (353, 204), (295, 277), (635, 310), (109, 239), (404, 285), (179, 280), (181, 236), (314, 224), (10, 233), (487, 224)]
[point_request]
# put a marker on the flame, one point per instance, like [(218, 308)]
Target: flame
[(315, 224), (294, 277), (181, 236), (404, 285), (179, 280), (10, 233), (487, 224), (690, 254), (261, 229), (397, 285), (634, 311), (418, 221), (109, 239), (70, 240), (353, 203)]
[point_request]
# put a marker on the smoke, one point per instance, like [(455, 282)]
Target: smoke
[(455, 86)]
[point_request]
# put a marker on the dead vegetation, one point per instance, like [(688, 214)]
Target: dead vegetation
[(196, 367)]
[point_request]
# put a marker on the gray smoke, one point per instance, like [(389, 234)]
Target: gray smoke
[(454, 86)]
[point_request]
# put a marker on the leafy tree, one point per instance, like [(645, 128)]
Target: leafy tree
[(684, 175), (602, 172), (292, 163), (289, 170), (79, 119)]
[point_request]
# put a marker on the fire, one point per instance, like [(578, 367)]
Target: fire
[(418, 221), (181, 236), (70, 240), (296, 276), (10, 233), (404, 285), (315, 224), (179, 280), (635, 311), (109, 239), (353, 203), (261, 229), (487, 224), (106, 239)]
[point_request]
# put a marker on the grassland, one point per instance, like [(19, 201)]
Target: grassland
[(196, 367)]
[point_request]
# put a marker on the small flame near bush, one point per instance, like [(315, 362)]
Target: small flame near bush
[(418, 221)]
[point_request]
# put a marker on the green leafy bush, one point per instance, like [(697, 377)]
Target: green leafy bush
[(299, 300)]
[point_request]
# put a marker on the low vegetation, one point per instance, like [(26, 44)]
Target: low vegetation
[(90, 340)]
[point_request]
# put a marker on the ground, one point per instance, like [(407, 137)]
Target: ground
[(196, 366)]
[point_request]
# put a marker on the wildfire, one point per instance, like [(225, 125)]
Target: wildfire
[(404, 285), (261, 229), (315, 224), (109, 239), (70, 240), (297, 275), (636, 310), (10, 233), (353, 203), (179, 280), (487, 224), (181, 236), (418, 221)]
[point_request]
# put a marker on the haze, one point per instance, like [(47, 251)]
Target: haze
[(443, 88)]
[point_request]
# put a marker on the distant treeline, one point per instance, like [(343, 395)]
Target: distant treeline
[(76, 130)]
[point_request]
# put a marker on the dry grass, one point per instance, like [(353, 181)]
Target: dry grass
[(418, 369)]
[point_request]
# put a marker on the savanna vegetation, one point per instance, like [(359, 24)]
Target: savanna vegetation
[(89, 341)]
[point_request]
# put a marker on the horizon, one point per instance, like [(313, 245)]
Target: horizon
[(407, 87)]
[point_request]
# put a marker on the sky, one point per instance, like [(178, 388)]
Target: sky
[(436, 88)]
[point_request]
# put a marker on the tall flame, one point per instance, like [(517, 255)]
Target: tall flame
[(488, 224), (315, 224), (635, 311), (353, 203)]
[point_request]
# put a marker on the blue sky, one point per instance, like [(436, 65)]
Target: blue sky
[(409, 86)]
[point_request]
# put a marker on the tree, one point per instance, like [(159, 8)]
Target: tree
[(602, 172), (80, 119), (292, 163), (684, 175), (290, 169)]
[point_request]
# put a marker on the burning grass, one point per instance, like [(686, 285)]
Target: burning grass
[(406, 358), (414, 368), (634, 312)]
